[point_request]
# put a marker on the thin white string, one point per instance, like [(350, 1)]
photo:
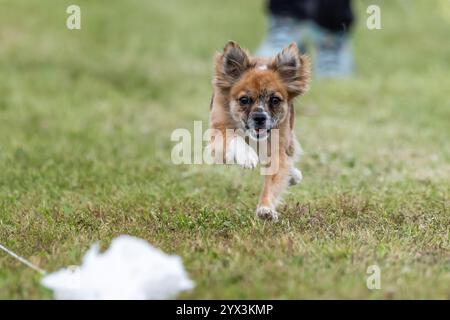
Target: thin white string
[(23, 260)]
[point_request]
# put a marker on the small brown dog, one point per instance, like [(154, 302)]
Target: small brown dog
[(253, 97)]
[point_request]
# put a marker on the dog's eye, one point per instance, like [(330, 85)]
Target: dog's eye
[(274, 101), (244, 101)]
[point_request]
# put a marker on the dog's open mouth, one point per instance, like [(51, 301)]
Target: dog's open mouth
[(258, 134)]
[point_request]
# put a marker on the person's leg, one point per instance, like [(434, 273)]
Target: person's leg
[(334, 15), (298, 9), (332, 23), (287, 20)]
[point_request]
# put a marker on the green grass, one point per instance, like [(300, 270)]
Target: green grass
[(85, 123)]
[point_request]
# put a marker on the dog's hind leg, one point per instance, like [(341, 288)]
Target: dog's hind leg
[(295, 176), (294, 151)]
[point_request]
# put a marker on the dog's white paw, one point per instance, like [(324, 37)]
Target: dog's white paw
[(266, 213), (296, 176), (241, 153)]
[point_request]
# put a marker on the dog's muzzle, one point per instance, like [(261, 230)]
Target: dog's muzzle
[(259, 125)]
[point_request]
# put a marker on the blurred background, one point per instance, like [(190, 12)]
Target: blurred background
[(85, 123)]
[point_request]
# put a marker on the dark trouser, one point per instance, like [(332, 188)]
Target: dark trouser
[(334, 15)]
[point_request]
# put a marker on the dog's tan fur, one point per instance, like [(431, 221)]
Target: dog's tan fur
[(286, 76)]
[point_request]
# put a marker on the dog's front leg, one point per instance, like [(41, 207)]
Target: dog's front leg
[(274, 185), (239, 152), (229, 146)]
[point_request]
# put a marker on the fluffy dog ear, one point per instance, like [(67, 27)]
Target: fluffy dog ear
[(230, 65), (293, 68)]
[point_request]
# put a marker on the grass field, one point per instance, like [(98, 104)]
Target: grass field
[(85, 124)]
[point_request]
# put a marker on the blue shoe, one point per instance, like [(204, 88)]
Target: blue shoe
[(282, 31), (334, 57)]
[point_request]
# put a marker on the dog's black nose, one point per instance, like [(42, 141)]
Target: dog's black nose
[(259, 118)]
